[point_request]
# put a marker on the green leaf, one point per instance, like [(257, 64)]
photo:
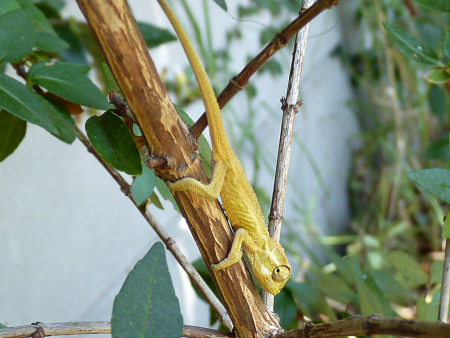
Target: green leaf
[(110, 81), (437, 101), (113, 141), (407, 267), (146, 305), (8, 6), (438, 76), (76, 50), (391, 287), (50, 42), (426, 310), (154, 199), (143, 185), (436, 181), (285, 308), (309, 299), (411, 46), (439, 5), (17, 36), (438, 150), (155, 36), (62, 120), (437, 267), (27, 105), (222, 4), (446, 44), (335, 287), (12, 132), (24, 103), (68, 83), (203, 146), (165, 193)]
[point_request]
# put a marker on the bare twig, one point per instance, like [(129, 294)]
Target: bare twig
[(369, 326), (39, 330), (290, 107), (280, 40), (445, 289), (163, 235), (352, 326)]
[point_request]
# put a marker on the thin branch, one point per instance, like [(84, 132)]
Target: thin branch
[(280, 40), (445, 289), (163, 235), (39, 330), (352, 326), (290, 106), (369, 326)]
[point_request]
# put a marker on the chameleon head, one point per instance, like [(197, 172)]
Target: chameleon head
[(270, 266)]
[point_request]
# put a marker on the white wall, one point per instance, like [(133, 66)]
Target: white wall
[(68, 236)]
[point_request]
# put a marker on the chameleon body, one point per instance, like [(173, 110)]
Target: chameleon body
[(265, 255)]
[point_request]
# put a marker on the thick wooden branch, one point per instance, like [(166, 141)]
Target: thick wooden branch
[(280, 40), (168, 137)]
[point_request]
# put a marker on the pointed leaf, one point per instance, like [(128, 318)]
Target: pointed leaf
[(435, 181), (17, 36), (222, 4), (411, 46), (143, 185), (407, 267), (155, 36), (146, 305), (113, 141), (65, 81), (12, 132)]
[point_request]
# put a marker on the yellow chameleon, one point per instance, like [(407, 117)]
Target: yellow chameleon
[(265, 255)]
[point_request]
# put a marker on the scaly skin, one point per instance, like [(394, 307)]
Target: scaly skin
[(265, 255)]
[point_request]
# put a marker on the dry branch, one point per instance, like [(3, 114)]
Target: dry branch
[(280, 40), (126, 53), (40, 330)]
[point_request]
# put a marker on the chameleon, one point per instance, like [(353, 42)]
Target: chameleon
[(265, 255)]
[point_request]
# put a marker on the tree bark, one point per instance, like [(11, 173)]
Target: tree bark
[(115, 29)]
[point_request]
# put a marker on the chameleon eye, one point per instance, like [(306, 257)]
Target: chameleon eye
[(281, 273)]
